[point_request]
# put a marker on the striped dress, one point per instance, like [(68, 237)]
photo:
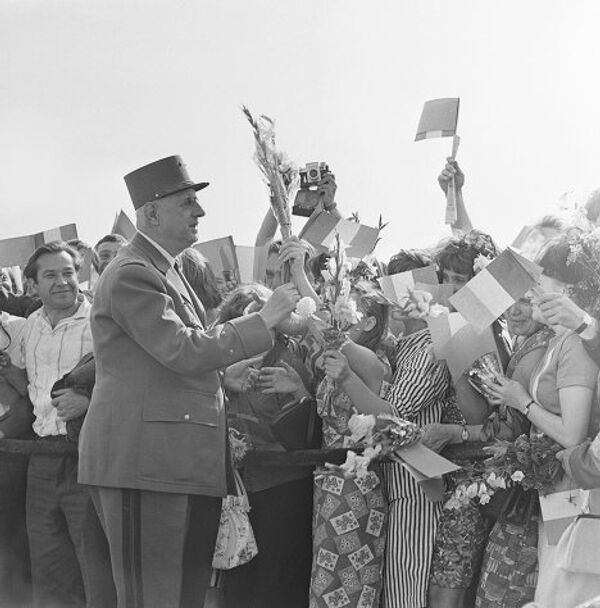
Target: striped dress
[(419, 390)]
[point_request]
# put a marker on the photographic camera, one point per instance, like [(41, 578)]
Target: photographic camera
[(307, 197)]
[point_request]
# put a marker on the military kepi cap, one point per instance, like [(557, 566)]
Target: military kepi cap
[(158, 179)]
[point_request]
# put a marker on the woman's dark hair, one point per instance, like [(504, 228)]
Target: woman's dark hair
[(372, 304), (200, 277), (31, 268), (239, 299), (459, 253), (409, 259), (554, 260)]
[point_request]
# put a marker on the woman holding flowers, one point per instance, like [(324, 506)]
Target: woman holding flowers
[(558, 403), (419, 392), (350, 510)]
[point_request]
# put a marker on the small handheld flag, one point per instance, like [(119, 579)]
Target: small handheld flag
[(440, 119)]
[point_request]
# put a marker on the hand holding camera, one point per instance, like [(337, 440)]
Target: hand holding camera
[(317, 187)]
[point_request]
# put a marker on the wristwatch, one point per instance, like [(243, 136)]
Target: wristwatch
[(464, 434), (587, 321)]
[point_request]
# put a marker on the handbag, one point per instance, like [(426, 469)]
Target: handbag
[(298, 426), (577, 549), (236, 543)]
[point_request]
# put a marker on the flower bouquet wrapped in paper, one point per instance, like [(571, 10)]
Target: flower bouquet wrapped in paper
[(485, 368), (380, 436)]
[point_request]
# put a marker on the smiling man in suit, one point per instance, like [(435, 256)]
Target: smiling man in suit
[(154, 445)]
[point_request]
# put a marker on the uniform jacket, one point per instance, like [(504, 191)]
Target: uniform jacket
[(156, 420)]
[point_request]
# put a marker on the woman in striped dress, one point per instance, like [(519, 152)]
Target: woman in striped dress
[(419, 390)]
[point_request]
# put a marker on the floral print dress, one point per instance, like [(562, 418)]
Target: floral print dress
[(349, 519)]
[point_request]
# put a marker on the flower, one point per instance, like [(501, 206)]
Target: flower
[(345, 311), (306, 307), (355, 465), (484, 499), (361, 426), (518, 476), (480, 262), (496, 482), (472, 490), (437, 310)]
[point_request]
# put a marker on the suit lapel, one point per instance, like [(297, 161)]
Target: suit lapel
[(159, 261)]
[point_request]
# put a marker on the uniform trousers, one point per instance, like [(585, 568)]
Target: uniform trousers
[(161, 545)]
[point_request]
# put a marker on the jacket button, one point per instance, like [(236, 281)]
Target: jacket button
[(186, 417)]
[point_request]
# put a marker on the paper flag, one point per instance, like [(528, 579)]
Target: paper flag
[(395, 287), (320, 231), (16, 251), (425, 461), (495, 288), (458, 342), (432, 487), (246, 256), (222, 259), (85, 272), (123, 226), (439, 118), (559, 509), (440, 294)]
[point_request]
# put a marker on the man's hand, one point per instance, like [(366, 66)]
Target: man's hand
[(279, 306), (69, 404), (284, 379), (451, 170), (437, 436), (559, 309), (241, 376)]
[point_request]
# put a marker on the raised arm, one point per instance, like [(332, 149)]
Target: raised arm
[(463, 222), (142, 308)]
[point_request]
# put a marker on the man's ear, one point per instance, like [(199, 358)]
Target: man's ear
[(151, 215)]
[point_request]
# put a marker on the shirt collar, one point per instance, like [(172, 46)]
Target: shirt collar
[(160, 249), (82, 311)]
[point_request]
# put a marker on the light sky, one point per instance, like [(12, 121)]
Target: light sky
[(92, 90)]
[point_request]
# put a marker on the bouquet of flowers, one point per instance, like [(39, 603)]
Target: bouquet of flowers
[(528, 461), (380, 436), (338, 308), (585, 255), (279, 173)]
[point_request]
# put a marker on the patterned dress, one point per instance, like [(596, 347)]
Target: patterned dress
[(349, 520)]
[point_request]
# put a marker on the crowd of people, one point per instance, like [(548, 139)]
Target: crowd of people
[(126, 396)]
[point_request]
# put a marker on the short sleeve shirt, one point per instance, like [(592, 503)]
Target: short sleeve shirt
[(565, 364)]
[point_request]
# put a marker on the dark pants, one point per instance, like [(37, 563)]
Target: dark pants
[(280, 574), (56, 515), (161, 545), (15, 575)]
